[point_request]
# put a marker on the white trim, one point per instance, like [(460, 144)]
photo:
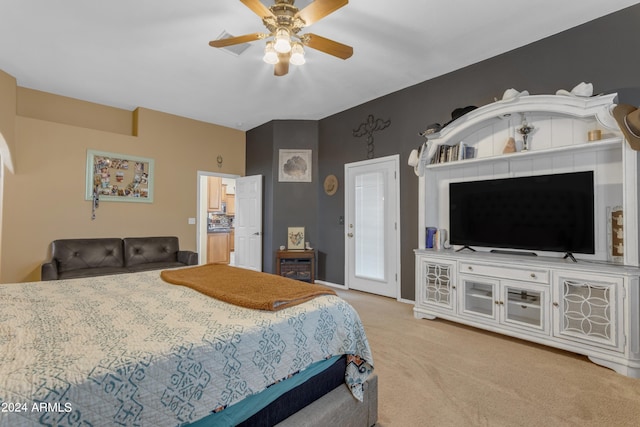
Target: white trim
[(5, 154), (330, 284)]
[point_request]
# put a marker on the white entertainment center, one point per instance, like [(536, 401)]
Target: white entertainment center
[(591, 306)]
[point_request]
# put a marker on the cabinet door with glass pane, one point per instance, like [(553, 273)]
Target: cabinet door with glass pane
[(478, 297), (588, 309), (515, 304), (525, 306), (437, 284)]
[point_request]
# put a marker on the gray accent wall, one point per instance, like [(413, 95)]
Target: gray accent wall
[(603, 52), (286, 204)]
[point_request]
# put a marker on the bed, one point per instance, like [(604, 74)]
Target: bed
[(135, 350)]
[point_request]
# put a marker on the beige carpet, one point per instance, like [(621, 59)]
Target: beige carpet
[(438, 373)]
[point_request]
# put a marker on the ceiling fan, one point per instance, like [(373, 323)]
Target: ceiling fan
[(284, 22)]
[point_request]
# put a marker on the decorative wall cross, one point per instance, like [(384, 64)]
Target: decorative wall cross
[(368, 128)]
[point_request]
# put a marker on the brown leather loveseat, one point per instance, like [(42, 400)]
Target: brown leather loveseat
[(72, 258)]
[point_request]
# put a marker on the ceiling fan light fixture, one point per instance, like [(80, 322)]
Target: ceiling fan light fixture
[(282, 40), (284, 21), (297, 54), (270, 54)]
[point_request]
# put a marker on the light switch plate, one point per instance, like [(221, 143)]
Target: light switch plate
[(192, 221)]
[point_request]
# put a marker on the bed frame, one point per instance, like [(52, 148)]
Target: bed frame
[(339, 408)]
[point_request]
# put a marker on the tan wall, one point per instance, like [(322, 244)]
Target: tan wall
[(61, 109), (45, 199)]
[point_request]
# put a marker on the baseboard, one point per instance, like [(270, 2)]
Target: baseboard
[(330, 284), (335, 285)]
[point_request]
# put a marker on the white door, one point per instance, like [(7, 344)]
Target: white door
[(248, 223), (372, 231)]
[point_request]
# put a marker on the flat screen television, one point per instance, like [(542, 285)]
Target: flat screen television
[(537, 213)]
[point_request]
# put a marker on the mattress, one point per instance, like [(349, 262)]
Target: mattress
[(132, 349)]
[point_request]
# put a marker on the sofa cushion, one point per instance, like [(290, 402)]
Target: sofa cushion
[(90, 272), (145, 250), (76, 254)]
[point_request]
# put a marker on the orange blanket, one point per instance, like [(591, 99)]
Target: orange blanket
[(246, 288)]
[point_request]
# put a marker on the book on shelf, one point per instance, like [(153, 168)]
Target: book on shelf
[(451, 153)]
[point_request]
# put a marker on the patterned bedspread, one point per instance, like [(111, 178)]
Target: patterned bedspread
[(133, 350)]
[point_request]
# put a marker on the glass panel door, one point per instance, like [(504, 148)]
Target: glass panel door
[(438, 284), (524, 307), (369, 226), (372, 234), (590, 310), (479, 297)]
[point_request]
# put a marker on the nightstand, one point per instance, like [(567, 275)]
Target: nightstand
[(298, 265)]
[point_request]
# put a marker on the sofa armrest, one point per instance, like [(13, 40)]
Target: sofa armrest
[(188, 257), (49, 271)]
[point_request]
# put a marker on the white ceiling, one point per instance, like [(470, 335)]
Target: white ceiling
[(155, 53)]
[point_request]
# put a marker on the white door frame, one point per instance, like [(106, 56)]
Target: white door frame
[(201, 218), (348, 258)]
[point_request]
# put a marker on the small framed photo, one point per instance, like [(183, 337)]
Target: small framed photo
[(294, 165), (295, 238)]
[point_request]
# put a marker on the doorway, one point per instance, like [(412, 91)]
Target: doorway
[(212, 214), (372, 238), (229, 207)]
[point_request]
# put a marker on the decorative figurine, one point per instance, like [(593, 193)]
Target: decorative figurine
[(525, 130)]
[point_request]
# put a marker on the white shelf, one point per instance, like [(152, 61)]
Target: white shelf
[(602, 145), (566, 106), (524, 304), (480, 295)]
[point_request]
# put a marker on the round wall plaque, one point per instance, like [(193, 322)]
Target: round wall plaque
[(330, 185)]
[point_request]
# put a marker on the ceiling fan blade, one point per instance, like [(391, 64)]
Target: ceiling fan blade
[(282, 66), (237, 40), (258, 8), (318, 9), (327, 45)]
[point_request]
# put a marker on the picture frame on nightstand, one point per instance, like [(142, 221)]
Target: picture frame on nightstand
[(295, 238)]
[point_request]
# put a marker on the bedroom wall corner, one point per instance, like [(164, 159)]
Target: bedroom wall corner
[(8, 95), (259, 161), (7, 137), (285, 204)]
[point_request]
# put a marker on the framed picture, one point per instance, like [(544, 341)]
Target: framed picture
[(295, 238), (294, 165), (119, 177)]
